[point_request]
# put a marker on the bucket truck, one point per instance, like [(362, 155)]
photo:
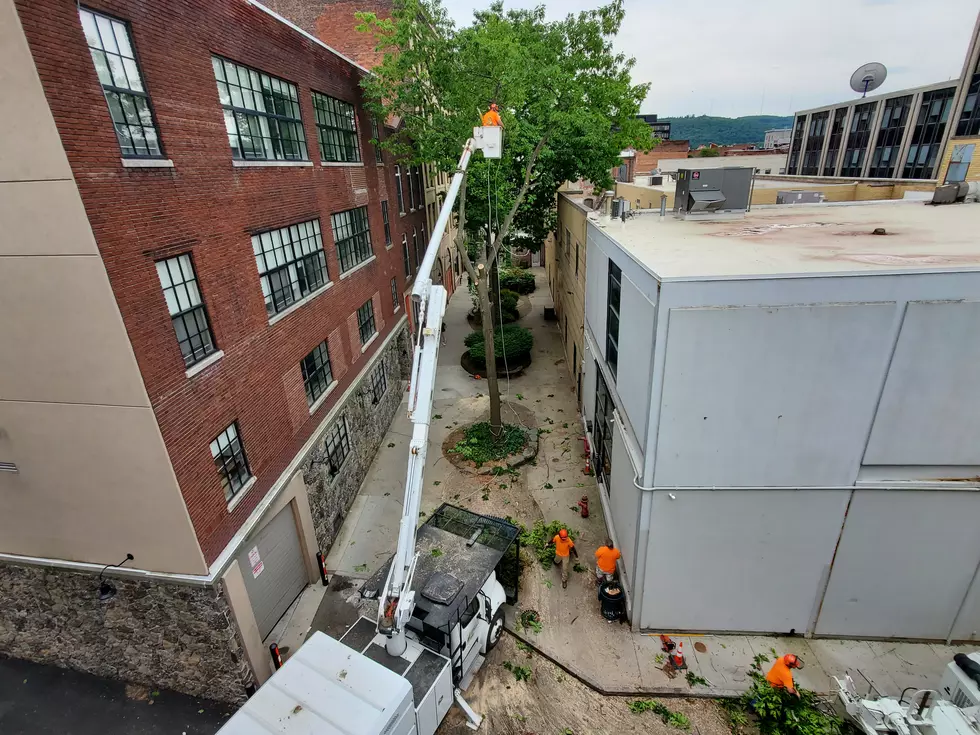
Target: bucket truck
[(440, 596)]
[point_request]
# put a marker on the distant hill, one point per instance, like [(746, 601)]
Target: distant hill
[(702, 129)]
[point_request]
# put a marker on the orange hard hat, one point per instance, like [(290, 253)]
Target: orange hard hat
[(791, 660), (563, 533), (493, 105)]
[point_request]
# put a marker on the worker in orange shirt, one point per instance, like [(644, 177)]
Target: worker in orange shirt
[(492, 117), (605, 561), (564, 548), (780, 676)]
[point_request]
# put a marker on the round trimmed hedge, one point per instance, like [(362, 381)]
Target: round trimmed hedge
[(516, 279), (516, 340)]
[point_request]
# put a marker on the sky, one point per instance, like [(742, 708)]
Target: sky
[(749, 57)]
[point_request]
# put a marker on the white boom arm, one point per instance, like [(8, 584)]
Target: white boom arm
[(398, 598)]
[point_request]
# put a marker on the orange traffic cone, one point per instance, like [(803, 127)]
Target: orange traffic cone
[(677, 657)]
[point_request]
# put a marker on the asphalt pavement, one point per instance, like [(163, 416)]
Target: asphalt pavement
[(46, 700)]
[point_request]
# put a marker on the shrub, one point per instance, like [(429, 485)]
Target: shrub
[(480, 445), (516, 340), (516, 279), (539, 536), (508, 305), (781, 713)]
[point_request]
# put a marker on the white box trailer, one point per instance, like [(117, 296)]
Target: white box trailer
[(326, 688)]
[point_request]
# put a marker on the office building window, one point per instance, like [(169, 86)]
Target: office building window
[(395, 305), (376, 142), (111, 47), (336, 129), (969, 122), (398, 190), (857, 139), (379, 384), (405, 256), (927, 135), (889, 139), (230, 460), (615, 279), (603, 429), (365, 322), (833, 145), (337, 446), (814, 143), (187, 312), (796, 145), (291, 264), (317, 375), (262, 116), (384, 218), (352, 237)]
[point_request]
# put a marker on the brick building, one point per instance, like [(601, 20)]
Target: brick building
[(203, 319)]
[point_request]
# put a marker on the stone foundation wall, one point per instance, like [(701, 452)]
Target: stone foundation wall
[(331, 497), (164, 636)]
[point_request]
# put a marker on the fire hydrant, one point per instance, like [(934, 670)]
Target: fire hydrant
[(583, 505)]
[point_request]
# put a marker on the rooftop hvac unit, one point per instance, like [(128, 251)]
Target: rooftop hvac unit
[(712, 192), (656, 180), (619, 207), (960, 680), (949, 193), (799, 197)]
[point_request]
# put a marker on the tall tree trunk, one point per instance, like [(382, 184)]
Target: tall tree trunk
[(494, 293), (489, 353)]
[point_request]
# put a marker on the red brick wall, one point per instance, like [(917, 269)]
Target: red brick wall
[(209, 208), (647, 162)]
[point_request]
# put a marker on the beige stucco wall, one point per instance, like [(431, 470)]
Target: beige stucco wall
[(94, 480), (568, 288)]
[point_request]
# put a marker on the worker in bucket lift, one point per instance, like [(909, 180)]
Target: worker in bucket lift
[(491, 118), (780, 676), (564, 547)]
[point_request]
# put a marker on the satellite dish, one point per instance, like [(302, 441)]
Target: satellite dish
[(868, 77)]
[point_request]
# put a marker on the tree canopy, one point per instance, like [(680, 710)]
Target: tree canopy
[(566, 99)]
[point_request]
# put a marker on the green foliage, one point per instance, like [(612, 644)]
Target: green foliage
[(578, 568), (539, 536), (517, 280), (780, 713), (677, 720), (530, 620), (702, 129), (515, 340), (437, 552), (709, 152), (737, 719), (693, 680), (508, 306), (480, 445), (523, 648), (521, 673)]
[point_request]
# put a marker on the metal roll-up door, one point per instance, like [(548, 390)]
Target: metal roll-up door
[(273, 568)]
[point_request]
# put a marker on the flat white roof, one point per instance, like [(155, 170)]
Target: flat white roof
[(799, 240)]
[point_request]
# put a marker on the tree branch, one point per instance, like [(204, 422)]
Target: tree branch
[(519, 199), (464, 256)]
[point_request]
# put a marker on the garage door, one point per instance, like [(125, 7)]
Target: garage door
[(273, 568)]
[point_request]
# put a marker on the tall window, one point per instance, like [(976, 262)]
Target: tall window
[(352, 237), (814, 143), (379, 384), (384, 217), (576, 259), (927, 135), (394, 295), (836, 138), (115, 61), (796, 145), (969, 122), (603, 428), (857, 139), (187, 312), (317, 375), (411, 188), (336, 129), (365, 321), (376, 132), (415, 247), (261, 114), (889, 140), (291, 264), (612, 316), (230, 460), (398, 189), (405, 256), (337, 445)]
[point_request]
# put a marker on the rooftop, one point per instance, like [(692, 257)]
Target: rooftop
[(799, 240)]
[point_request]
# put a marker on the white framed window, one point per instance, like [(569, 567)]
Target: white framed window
[(187, 312), (230, 460), (291, 264)]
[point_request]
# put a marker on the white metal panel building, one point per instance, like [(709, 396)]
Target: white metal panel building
[(784, 412)]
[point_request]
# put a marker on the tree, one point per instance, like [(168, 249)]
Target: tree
[(709, 152), (565, 97)]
